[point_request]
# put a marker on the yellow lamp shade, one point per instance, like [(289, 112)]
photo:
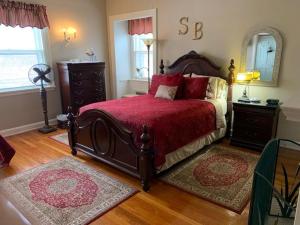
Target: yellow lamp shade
[(255, 75), (248, 76), (243, 77)]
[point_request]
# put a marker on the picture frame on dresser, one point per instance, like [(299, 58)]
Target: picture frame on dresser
[(254, 124)]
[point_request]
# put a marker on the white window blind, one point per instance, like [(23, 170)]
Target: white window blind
[(140, 56), (20, 49)]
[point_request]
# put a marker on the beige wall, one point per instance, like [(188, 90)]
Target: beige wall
[(89, 18), (225, 25)]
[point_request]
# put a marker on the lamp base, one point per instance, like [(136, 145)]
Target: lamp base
[(244, 99), (47, 129), (255, 100)]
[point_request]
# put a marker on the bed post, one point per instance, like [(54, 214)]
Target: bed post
[(145, 160), (230, 80), (71, 130), (161, 67)]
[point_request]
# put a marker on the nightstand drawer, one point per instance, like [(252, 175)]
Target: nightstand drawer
[(253, 119), (248, 134)]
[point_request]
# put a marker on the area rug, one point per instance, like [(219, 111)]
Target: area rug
[(221, 175), (62, 138), (64, 192)]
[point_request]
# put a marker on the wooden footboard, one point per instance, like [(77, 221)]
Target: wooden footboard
[(100, 135)]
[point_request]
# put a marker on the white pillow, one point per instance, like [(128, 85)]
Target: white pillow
[(216, 87), (166, 92)]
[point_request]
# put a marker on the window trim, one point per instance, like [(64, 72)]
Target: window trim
[(43, 53), (24, 90)]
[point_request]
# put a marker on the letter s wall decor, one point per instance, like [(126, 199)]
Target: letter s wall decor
[(197, 28)]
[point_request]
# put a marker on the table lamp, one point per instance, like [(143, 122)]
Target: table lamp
[(246, 78)]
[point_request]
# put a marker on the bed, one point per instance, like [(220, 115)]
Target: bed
[(143, 135)]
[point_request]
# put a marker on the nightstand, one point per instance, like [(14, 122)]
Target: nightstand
[(254, 124)]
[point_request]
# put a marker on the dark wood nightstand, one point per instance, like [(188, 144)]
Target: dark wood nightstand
[(254, 124)]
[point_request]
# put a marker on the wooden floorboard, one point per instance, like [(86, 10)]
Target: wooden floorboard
[(163, 204)]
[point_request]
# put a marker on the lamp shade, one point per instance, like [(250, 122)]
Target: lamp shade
[(148, 41), (247, 76), (243, 77), (255, 75)]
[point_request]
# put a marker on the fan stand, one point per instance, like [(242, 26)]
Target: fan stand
[(46, 129)]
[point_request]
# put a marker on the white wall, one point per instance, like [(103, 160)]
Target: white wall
[(122, 57), (89, 18), (225, 26)]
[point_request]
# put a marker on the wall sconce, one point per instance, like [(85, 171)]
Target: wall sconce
[(69, 34)]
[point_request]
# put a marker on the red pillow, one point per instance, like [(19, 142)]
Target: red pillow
[(195, 88), (168, 80)]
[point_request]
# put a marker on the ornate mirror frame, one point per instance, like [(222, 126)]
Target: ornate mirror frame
[(279, 45)]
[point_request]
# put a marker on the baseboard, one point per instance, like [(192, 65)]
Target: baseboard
[(25, 128), (289, 145)]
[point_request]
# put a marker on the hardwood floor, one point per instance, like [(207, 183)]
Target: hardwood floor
[(163, 204)]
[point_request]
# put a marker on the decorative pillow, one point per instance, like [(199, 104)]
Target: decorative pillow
[(212, 88), (222, 89), (168, 80), (216, 88), (166, 92), (195, 88)]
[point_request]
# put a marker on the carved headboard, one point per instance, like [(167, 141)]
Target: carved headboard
[(198, 64)]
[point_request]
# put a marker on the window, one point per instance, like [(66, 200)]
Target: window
[(20, 49), (140, 56)]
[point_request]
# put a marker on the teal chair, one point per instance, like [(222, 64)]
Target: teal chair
[(262, 187), (262, 191)]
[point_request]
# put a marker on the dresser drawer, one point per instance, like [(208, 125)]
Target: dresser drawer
[(90, 75), (87, 94), (88, 83)]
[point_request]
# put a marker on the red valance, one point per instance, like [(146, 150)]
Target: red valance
[(24, 15), (140, 26)]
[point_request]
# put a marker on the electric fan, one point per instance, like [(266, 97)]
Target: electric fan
[(39, 76)]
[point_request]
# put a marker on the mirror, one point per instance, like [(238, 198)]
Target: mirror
[(261, 51)]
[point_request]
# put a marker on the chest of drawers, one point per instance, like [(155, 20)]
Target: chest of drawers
[(81, 84)]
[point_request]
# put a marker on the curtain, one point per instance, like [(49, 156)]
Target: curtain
[(24, 15), (140, 26)]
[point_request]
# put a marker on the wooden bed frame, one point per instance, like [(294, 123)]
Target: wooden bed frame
[(100, 135)]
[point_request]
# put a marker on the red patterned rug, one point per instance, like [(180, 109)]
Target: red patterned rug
[(64, 192), (221, 175)]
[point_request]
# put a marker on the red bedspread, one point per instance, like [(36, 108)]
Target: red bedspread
[(172, 124)]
